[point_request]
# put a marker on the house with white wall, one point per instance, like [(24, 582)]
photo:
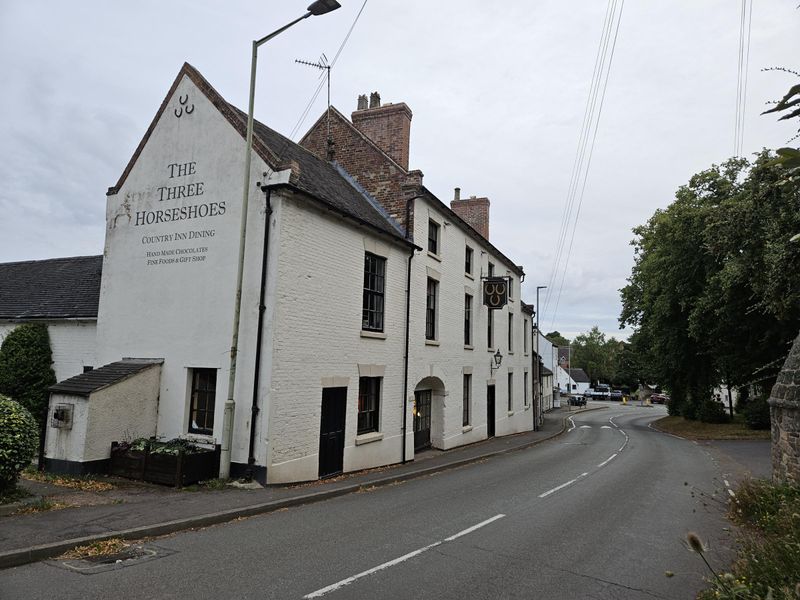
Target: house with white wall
[(61, 293), (364, 337)]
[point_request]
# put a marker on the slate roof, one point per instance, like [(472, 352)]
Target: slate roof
[(97, 379), (579, 376), (57, 288), (546, 371)]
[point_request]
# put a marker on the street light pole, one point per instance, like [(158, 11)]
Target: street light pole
[(537, 411), (320, 7)]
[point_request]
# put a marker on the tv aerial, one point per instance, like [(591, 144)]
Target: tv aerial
[(325, 67)]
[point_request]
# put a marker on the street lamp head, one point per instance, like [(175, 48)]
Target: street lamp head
[(320, 7), (498, 358)]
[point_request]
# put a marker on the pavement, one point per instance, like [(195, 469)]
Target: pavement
[(135, 510)]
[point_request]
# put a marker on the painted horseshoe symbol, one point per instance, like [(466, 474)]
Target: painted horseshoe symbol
[(495, 293), (183, 100)]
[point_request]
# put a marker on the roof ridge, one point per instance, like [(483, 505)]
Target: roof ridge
[(57, 258)]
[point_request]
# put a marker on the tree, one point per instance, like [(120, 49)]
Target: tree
[(595, 355), (714, 294), (25, 368), (557, 339)]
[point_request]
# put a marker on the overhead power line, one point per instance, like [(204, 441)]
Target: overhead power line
[(583, 157), (745, 27)]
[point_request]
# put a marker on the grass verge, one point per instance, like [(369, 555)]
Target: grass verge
[(768, 561), (696, 430)]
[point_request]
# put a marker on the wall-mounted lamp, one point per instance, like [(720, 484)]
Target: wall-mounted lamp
[(497, 359)]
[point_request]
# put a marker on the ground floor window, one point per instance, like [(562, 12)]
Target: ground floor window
[(369, 393), (510, 392), (525, 388), (204, 392), (467, 400)]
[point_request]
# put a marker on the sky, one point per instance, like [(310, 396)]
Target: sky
[(497, 90)]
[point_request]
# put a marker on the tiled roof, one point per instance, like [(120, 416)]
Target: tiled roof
[(579, 376), (546, 371), (58, 288), (97, 379)]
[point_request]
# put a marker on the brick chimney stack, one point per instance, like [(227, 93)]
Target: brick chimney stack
[(475, 211), (388, 126)]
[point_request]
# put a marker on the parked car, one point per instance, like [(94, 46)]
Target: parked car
[(577, 401), (616, 394), (659, 398)]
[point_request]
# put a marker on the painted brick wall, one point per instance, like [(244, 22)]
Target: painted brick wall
[(450, 359), (317, 340)]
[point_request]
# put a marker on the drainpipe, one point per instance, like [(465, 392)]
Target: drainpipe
[(255, 410), (409, 203)]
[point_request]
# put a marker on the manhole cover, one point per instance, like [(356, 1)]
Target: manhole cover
[(129, 557)]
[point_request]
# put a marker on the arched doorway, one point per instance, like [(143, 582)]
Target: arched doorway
[(428, 414)]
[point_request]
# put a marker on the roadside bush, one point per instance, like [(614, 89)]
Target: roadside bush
[(756, 413), (26, 368), (768, 564), (18, 441), (711, 411)]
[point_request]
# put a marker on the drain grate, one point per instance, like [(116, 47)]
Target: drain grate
[(135, 555)]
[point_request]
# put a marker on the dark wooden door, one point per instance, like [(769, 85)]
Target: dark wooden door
[(331, 431), (422, 419), (490, 416)]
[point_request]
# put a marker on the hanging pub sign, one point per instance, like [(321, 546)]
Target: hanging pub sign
[(495, 292)]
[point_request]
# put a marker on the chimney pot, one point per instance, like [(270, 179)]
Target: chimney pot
[(374, 100), (362, 102), (457, 195)]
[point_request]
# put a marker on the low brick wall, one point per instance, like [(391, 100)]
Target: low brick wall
[(784, 405)]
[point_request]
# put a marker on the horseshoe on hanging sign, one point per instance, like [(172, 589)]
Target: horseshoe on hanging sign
[(190, 110), (183, 100), (178, 112)]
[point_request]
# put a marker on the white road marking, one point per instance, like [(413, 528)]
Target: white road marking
[(586, 426), (573, 425), (397, 561), (563, 485), (606, 461), (606, 427), (622, 431)]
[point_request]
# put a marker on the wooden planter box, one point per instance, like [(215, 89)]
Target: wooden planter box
[(168, 469)]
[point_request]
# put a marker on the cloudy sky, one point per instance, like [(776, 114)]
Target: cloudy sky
[(498, 91)]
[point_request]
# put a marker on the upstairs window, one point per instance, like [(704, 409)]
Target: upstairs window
[(468, 260), (374, 283), (467, 320), (430, 309), (433, 236), (525, 335), (491, 269), (510, 392), (510, 332)]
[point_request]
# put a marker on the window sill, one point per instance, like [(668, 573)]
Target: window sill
[(469, 276), (511, 352), (528, 407), (375, 335), (466, 428), (199, 438), (431, 342), (435, 257), (469, 347), (510, 413), (368, 438), (492, 350)]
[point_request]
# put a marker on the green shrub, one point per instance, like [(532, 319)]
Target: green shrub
[(711, 411), (756, 413), (26, 368), (18, 441)]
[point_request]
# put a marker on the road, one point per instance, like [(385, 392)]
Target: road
[(599, 512)]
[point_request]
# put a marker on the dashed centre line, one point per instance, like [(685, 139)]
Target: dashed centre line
[(399, 559)]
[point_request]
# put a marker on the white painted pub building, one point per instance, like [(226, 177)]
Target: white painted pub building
[(364, 336)]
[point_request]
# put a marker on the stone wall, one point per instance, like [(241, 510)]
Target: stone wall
[(784, 404)]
